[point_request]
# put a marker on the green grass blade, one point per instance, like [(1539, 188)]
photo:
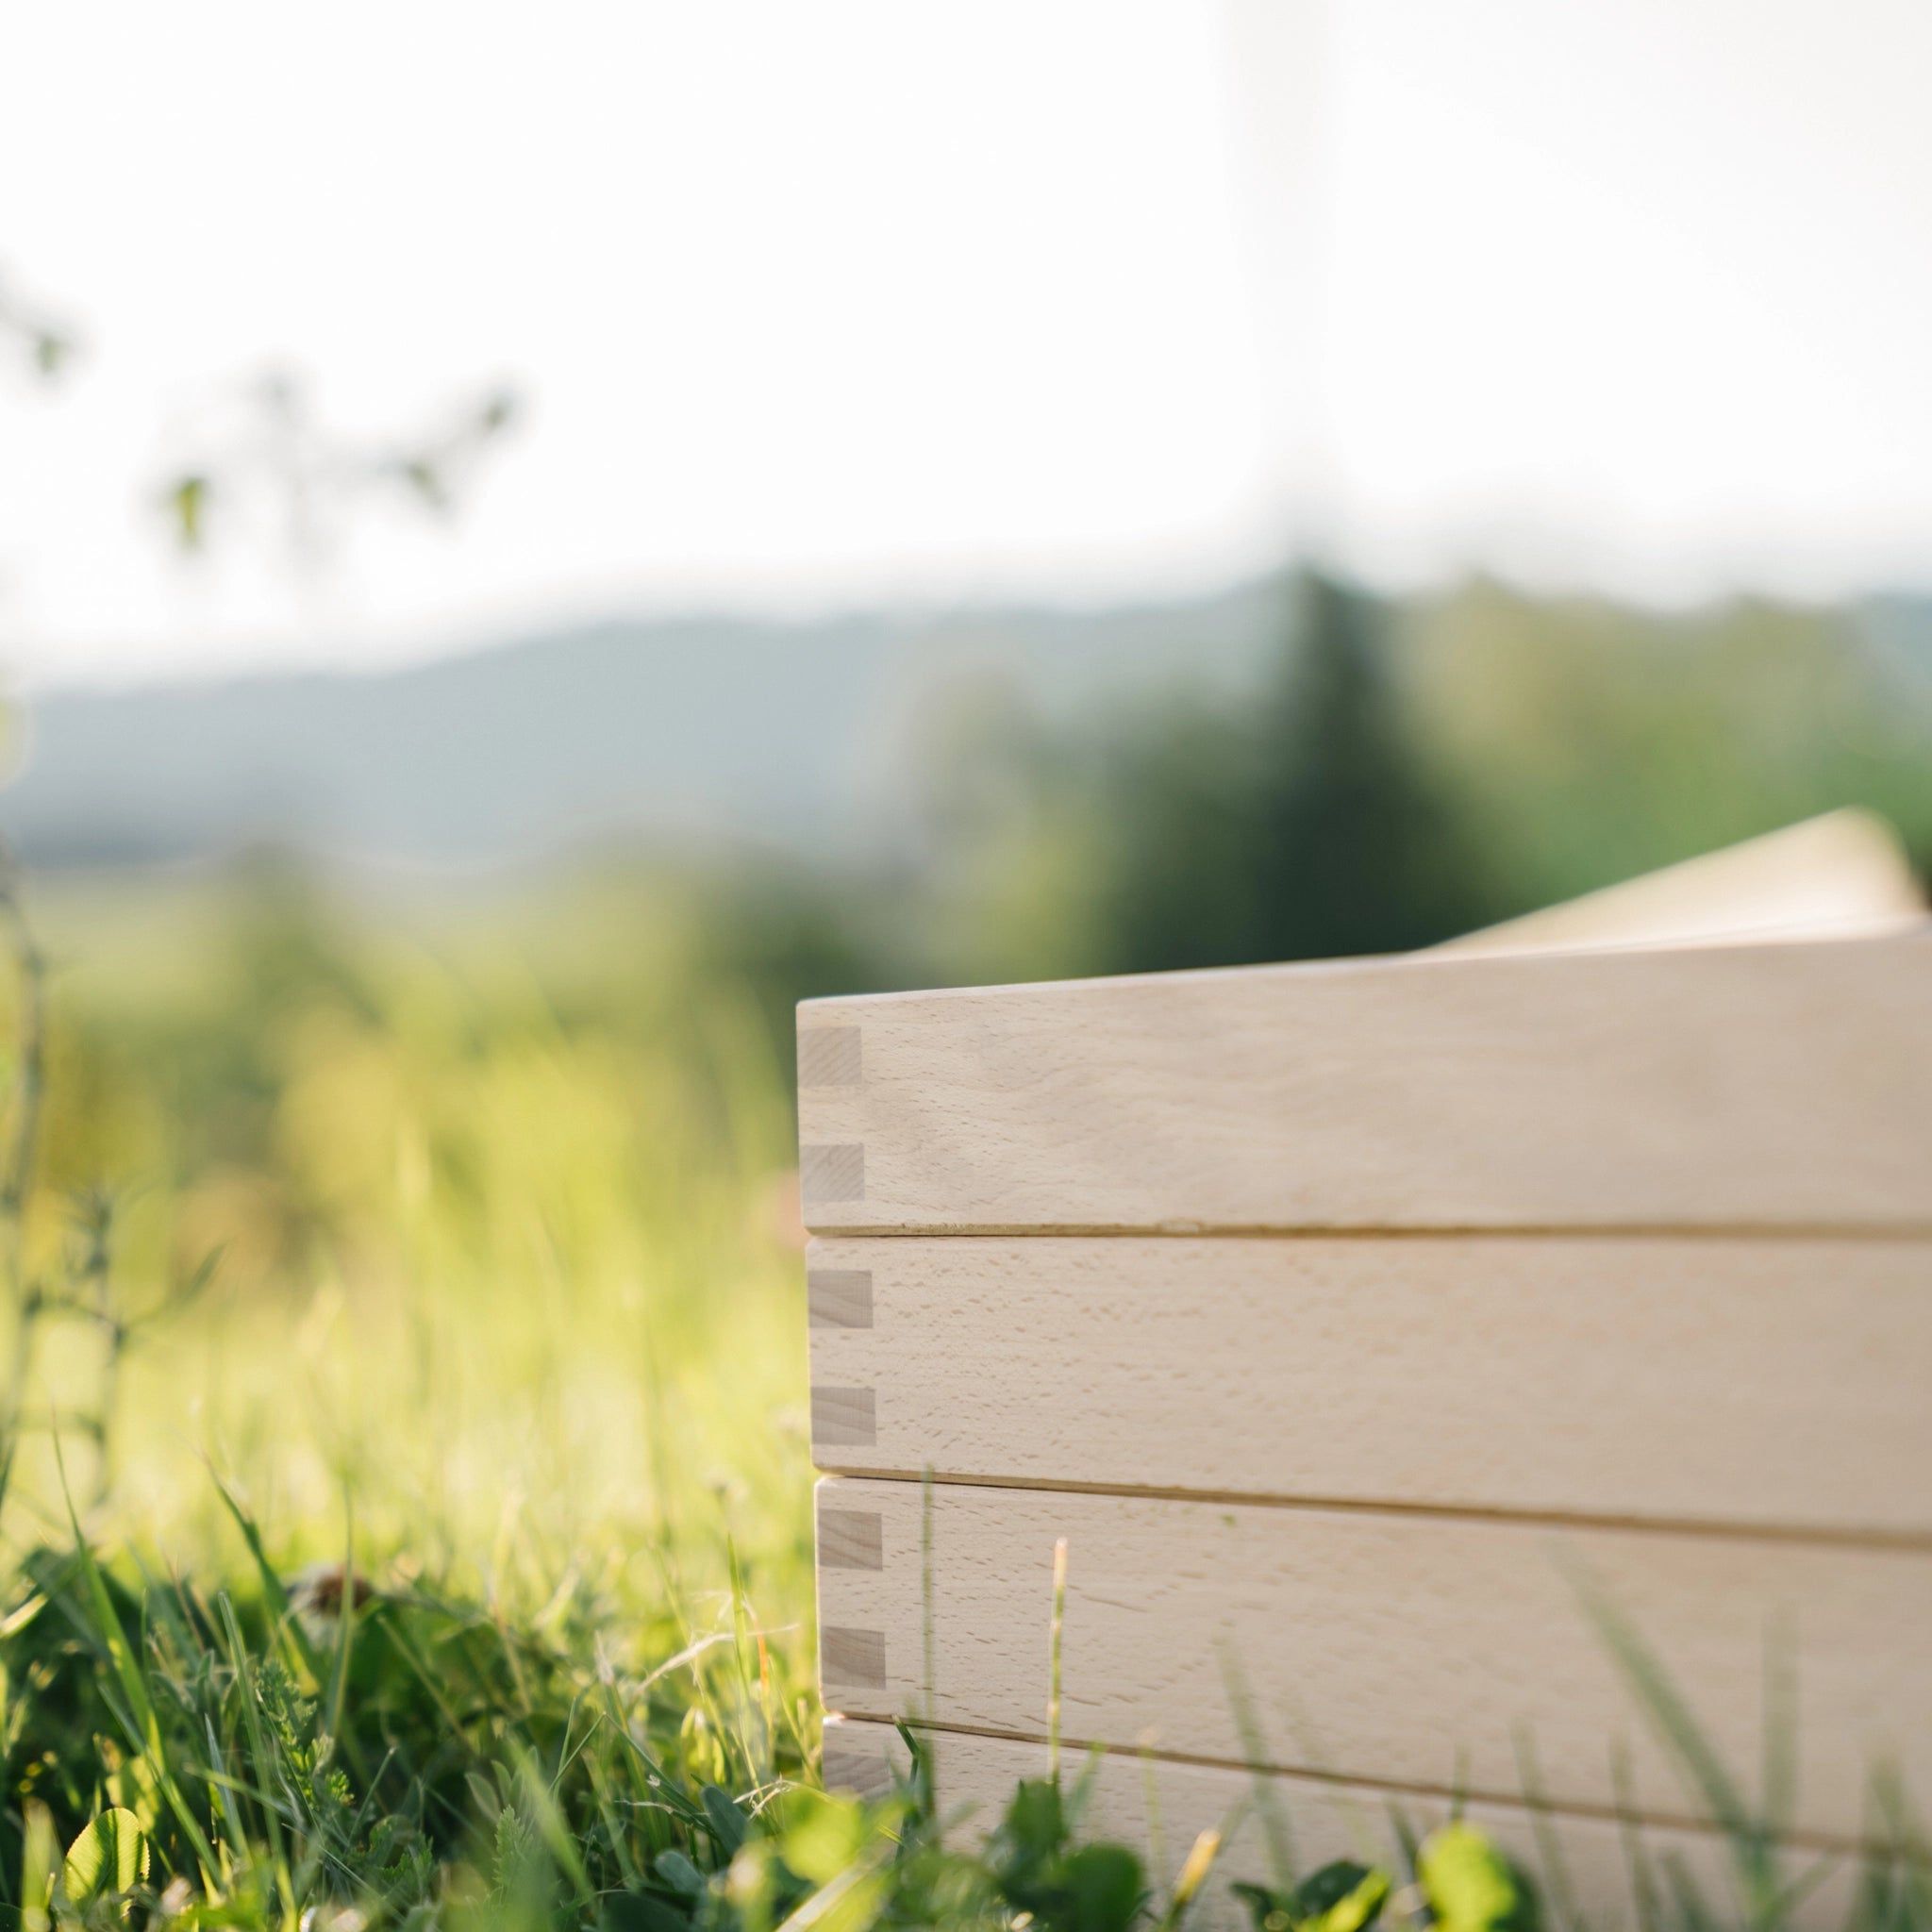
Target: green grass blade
[(145, 1729), (1753, 1849), (287, 1622)]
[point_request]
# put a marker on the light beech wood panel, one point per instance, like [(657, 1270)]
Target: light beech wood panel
[(1772, 1086), (1843, 875), (1323, 1820), (1775, 1382), (1409, 1649)]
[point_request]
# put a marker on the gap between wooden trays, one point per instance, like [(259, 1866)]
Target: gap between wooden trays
[(1829, 1842), (1907, 1543)]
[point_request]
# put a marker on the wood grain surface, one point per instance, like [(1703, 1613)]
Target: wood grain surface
[(1160, 1806), (1773, 1383), (1415, 1650), (1773, 1087), (1842, 875)]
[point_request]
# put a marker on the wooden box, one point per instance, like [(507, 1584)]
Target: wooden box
[(1377, 1334)]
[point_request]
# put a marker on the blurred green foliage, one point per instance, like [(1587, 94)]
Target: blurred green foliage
[(1406, 771), (1586, 743), (1412, 770)]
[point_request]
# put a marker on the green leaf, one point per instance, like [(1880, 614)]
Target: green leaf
[(680, 1873), (109, 1856), (1471, 1887), (823, 1835), (1104, 1888), (1341, 1897), (854, 1902), (728, 1821), (638, 1912), (1272, 1912), (1035, 1826)]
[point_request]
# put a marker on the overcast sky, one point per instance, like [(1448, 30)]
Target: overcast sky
[(923, 300)]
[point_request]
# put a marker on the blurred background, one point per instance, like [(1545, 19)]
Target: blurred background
[(532, 539)]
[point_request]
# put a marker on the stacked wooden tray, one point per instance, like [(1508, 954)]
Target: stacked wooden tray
[(1360, 1326)]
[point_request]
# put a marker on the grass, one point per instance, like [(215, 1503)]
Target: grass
[(407, 1490), (504, 1322)]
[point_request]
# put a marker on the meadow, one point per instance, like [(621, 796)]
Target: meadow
[(406, 1510), (350, 1246)]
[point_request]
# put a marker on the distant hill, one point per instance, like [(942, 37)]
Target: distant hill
[(700, 731), (682, 734)]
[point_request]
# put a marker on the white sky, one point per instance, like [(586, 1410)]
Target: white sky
[(936, 298)]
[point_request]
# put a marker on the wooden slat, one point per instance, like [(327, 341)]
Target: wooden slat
[(1770, 1087), (1413, 1650), (1323, 1820), (1773, 1383), (1842, 875)]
